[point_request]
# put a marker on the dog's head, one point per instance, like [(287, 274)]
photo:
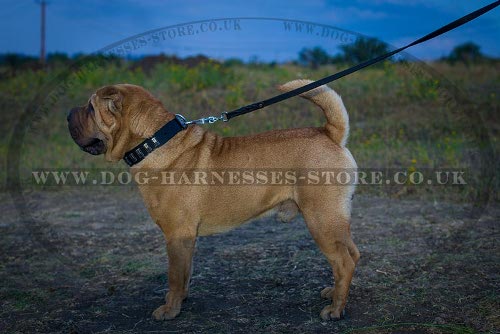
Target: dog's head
[(115, 119)]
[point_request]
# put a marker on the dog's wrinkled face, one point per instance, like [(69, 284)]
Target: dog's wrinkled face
[(114, 118)]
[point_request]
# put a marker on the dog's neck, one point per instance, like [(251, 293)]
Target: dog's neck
[(177, 149), (141, 125), (144, 124), (153, 140)]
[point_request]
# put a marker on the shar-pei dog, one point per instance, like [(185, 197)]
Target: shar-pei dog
[(125, 120)]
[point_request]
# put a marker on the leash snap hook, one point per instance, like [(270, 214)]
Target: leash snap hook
[(211, 119)]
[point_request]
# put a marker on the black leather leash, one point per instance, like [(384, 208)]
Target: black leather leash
[(179, 123), (262, 104)]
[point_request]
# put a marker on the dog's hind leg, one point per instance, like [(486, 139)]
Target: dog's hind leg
[(354, 253), (334, 245), (353, 250), (331, 230)]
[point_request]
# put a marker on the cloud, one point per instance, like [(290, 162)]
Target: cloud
[(432, 49), (365, 13), (353, 14), (398, 2)]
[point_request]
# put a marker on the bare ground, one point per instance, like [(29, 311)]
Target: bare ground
[(92, 261)]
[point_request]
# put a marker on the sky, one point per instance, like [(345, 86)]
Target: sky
[(258, 30)]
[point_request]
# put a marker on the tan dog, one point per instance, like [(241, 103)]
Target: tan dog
[(119, 117)]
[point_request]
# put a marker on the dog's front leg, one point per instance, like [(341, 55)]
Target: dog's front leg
[(180, 255)]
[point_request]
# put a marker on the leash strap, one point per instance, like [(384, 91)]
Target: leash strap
[(226, 116), (179, 123)]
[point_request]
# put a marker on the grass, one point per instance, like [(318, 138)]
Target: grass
[(456, 329), (400, 114), (20, 300)]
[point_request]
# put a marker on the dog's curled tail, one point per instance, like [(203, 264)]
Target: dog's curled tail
[(329, 101)]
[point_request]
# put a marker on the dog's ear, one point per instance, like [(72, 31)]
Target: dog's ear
[(113, 96)]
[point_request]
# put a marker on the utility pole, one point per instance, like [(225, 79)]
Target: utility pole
[(43, 5)]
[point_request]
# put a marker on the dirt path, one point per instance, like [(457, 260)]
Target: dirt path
[(98, 266)]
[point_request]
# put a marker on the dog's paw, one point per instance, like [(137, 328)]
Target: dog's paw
[(166, 312), (327, 293), (331, 313)]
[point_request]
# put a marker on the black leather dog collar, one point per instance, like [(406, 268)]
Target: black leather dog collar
[(161, 137)]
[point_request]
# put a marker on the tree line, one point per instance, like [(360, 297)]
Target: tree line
[(367, 48), (361, 50)]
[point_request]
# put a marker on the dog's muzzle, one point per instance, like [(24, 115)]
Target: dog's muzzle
[(89, 144)]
